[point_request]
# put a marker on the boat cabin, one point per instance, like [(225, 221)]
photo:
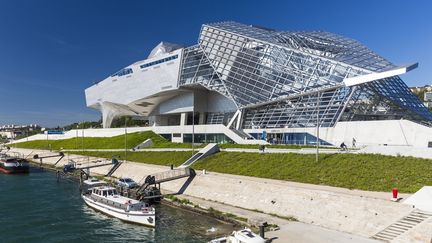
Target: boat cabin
[(105, 191), (108, 195)]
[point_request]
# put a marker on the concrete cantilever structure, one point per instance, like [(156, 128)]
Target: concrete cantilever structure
[(253, 79), (134, 90)]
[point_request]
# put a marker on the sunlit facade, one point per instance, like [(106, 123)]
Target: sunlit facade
[(247, 77)]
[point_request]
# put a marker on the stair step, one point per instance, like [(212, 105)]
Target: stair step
[(381, 238), (390, 234), (402, 225), (399, 227), (396, 231)]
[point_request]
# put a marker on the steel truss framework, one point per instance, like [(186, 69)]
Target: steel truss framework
[(283, 79)]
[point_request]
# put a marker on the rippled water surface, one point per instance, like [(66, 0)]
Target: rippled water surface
[(37, 208)]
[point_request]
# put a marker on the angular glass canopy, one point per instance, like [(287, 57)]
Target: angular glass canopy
[(286, 79)]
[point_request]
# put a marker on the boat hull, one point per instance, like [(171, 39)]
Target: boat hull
[(131, 217), (14, 169)]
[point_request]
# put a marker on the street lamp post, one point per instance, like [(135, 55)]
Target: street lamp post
[(76, 137), (125, 141), (82, 136), (193, 128), (317, 129)]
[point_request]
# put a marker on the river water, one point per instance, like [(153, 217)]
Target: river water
[(37, 208)]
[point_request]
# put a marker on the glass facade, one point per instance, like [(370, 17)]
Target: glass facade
[(282, 79), (207, 138), (298, 138)]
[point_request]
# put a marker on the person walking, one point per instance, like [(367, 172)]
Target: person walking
[(343, 147), (354, 143)]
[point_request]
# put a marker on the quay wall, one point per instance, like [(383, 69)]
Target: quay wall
[(357, 212)]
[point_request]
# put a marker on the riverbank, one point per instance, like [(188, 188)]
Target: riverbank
[(353, 171), (342, 211), (37, 208)]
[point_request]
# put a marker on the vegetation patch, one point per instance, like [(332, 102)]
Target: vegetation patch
[(175, 158), (132, 140), (218, 214), (175, 199), (289, 218), (354, 171), (116, 142)]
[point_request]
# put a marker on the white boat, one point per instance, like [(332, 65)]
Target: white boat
[(107, 200), (241, 236)]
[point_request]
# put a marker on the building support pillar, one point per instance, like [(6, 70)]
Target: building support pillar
[(239, 119), (183, 119), (108, 115), (201, 118)]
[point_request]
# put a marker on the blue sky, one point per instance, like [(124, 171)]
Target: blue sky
[(50, 51)]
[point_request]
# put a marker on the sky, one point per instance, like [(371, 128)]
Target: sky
[(51, 50)]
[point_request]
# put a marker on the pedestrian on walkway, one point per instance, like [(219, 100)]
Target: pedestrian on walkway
[(343, 147), (354, 143)]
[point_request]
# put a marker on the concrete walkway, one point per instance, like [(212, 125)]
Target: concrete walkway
[(281, 151), (245, 150), (289, 231)]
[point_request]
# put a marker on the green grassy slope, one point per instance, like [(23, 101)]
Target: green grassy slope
[(117, 142), (157, 158), (362, 171)]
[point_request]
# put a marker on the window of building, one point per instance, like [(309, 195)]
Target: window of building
[(124, 71), (166, 59)]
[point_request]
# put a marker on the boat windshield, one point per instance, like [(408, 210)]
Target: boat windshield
[(112, 192)]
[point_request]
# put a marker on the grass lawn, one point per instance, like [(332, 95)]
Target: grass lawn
[(354, 171), (133, 139), (362, 171), (157, 158), (117, 142)]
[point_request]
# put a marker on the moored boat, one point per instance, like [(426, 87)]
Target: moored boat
[(12, 165), (107, 200), (242, 236)]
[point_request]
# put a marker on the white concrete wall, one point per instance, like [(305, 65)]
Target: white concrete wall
[(110, 132), (178, 104), (402, 133), (219, 103), (367, 133), (389, 132), (140, 84)]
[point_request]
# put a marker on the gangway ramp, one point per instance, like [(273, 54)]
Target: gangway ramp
[(162, 177), (84, 163), (211, 148), (92, 163), (47, 155)]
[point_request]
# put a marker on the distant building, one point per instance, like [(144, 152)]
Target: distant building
[(12, 131), (428, 96), (419, 89)]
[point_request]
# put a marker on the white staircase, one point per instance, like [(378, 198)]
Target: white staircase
[(402, 225), (206, 151)]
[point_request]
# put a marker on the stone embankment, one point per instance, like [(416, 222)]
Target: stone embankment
[(359, 213)]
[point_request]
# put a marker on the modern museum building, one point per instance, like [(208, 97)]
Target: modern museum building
[(249, 84)]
